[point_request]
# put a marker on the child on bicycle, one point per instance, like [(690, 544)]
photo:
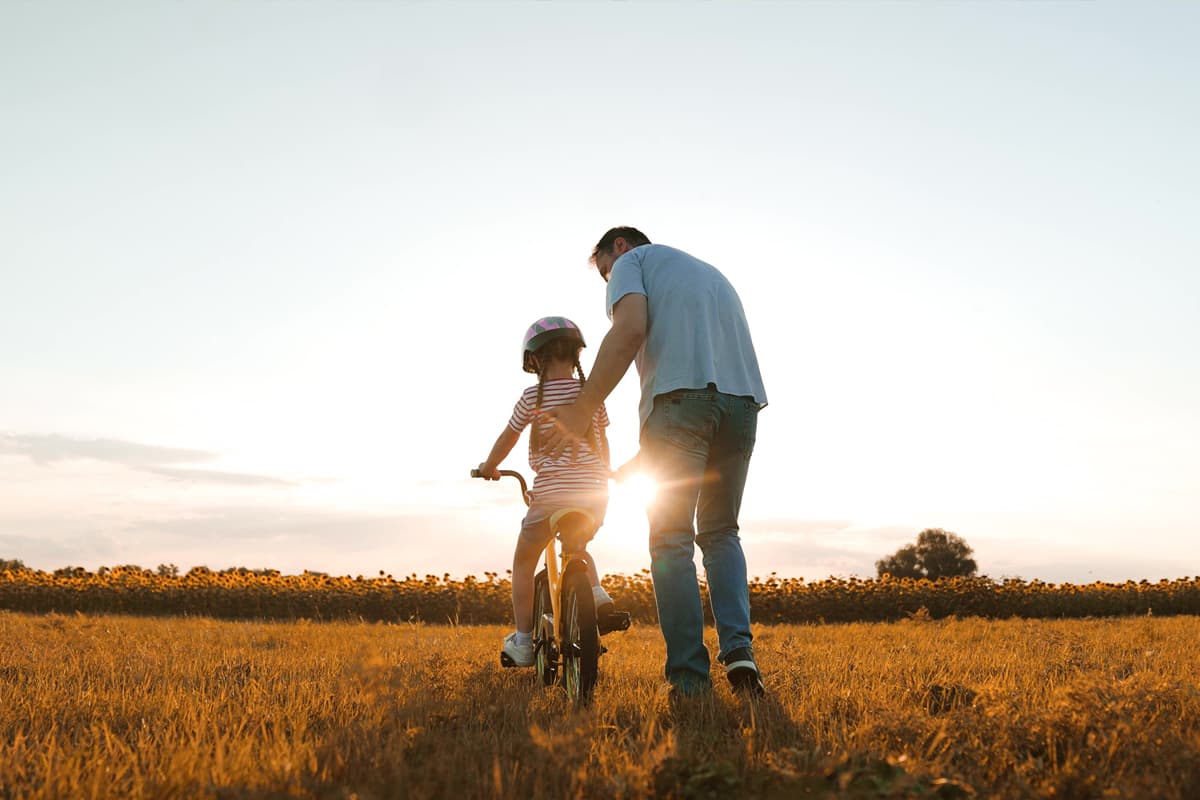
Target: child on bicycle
[(575, 479)]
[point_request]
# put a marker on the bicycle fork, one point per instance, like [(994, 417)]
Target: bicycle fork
[(552, 578)]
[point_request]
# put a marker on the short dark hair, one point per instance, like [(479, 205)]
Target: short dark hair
[(631, 235)]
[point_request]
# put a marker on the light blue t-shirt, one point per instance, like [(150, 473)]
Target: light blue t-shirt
[(697, 332)]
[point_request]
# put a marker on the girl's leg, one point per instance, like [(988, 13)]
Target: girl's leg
[(600, 596), (525, 559), (593, 576), (575, 528)]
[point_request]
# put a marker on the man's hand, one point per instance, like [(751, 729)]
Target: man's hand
[(570, 424), (622, 473), (488, 471)]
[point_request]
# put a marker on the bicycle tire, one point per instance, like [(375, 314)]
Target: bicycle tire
[(580, 647), (545, 648)]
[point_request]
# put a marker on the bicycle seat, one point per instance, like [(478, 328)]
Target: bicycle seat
[(573, 522)]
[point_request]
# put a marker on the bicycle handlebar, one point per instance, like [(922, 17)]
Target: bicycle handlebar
[(475, 473)]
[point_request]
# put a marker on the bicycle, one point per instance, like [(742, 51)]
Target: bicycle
[(565, 626)]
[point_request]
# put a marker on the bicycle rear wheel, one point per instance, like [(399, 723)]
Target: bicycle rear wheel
[(580, 650), (546, 649)]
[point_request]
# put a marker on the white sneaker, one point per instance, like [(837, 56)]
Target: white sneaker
[(515, 655)]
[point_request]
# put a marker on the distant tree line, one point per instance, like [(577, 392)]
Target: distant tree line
[(936, 554)]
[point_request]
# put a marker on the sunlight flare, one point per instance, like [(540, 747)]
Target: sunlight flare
[(638, 490), (629, 500)]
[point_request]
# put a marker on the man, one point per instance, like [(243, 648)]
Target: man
[(701, 393)]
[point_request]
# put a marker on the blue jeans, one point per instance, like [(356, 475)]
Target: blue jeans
[(697, 443)]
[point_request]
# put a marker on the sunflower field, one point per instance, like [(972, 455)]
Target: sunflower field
[(240, 593)]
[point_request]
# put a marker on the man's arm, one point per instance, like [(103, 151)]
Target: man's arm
[(617, 351)]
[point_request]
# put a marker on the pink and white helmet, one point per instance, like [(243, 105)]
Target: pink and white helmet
[(545, 330)]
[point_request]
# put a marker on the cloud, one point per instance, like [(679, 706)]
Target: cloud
[(831, 536), (812, 558), (798, 527), (66, 546), (818, 548), (214, 476), (288, 538), (296, 525), (294, 537), (45, 450), (1110, 568)]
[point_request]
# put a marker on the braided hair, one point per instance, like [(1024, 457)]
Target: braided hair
[(555, 349)]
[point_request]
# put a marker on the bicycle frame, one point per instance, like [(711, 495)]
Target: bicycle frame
[(554, 571), (568, 649)]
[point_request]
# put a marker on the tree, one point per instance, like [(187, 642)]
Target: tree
[(936, 554)]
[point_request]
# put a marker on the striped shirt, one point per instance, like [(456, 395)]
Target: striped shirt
[(580, 472)]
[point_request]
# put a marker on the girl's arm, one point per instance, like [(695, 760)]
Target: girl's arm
[(505, 442)]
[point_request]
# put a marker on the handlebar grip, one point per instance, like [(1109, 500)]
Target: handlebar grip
[(507, 473)]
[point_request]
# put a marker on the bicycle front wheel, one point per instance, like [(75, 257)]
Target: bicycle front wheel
[(580, 650)]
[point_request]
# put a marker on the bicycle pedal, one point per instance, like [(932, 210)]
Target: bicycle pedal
[(614, 621), (506, 660)]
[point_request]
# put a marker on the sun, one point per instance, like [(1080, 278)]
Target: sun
[(626, 526), (638, 490)]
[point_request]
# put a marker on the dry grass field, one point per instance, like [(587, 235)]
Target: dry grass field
[(125, 707)]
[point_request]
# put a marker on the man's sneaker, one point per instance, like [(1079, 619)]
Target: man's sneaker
[(608, 619), (743, 672), (516, 655)]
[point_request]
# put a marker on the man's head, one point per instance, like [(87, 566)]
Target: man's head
[(612, 245)]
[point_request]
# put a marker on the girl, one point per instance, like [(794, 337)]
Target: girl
[(577, 479)]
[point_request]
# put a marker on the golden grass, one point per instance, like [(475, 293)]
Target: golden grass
[(110, 706)]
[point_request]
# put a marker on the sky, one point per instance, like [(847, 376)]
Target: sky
[(265, 269)]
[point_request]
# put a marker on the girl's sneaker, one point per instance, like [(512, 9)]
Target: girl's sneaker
[(516, 655), (608, 619)]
